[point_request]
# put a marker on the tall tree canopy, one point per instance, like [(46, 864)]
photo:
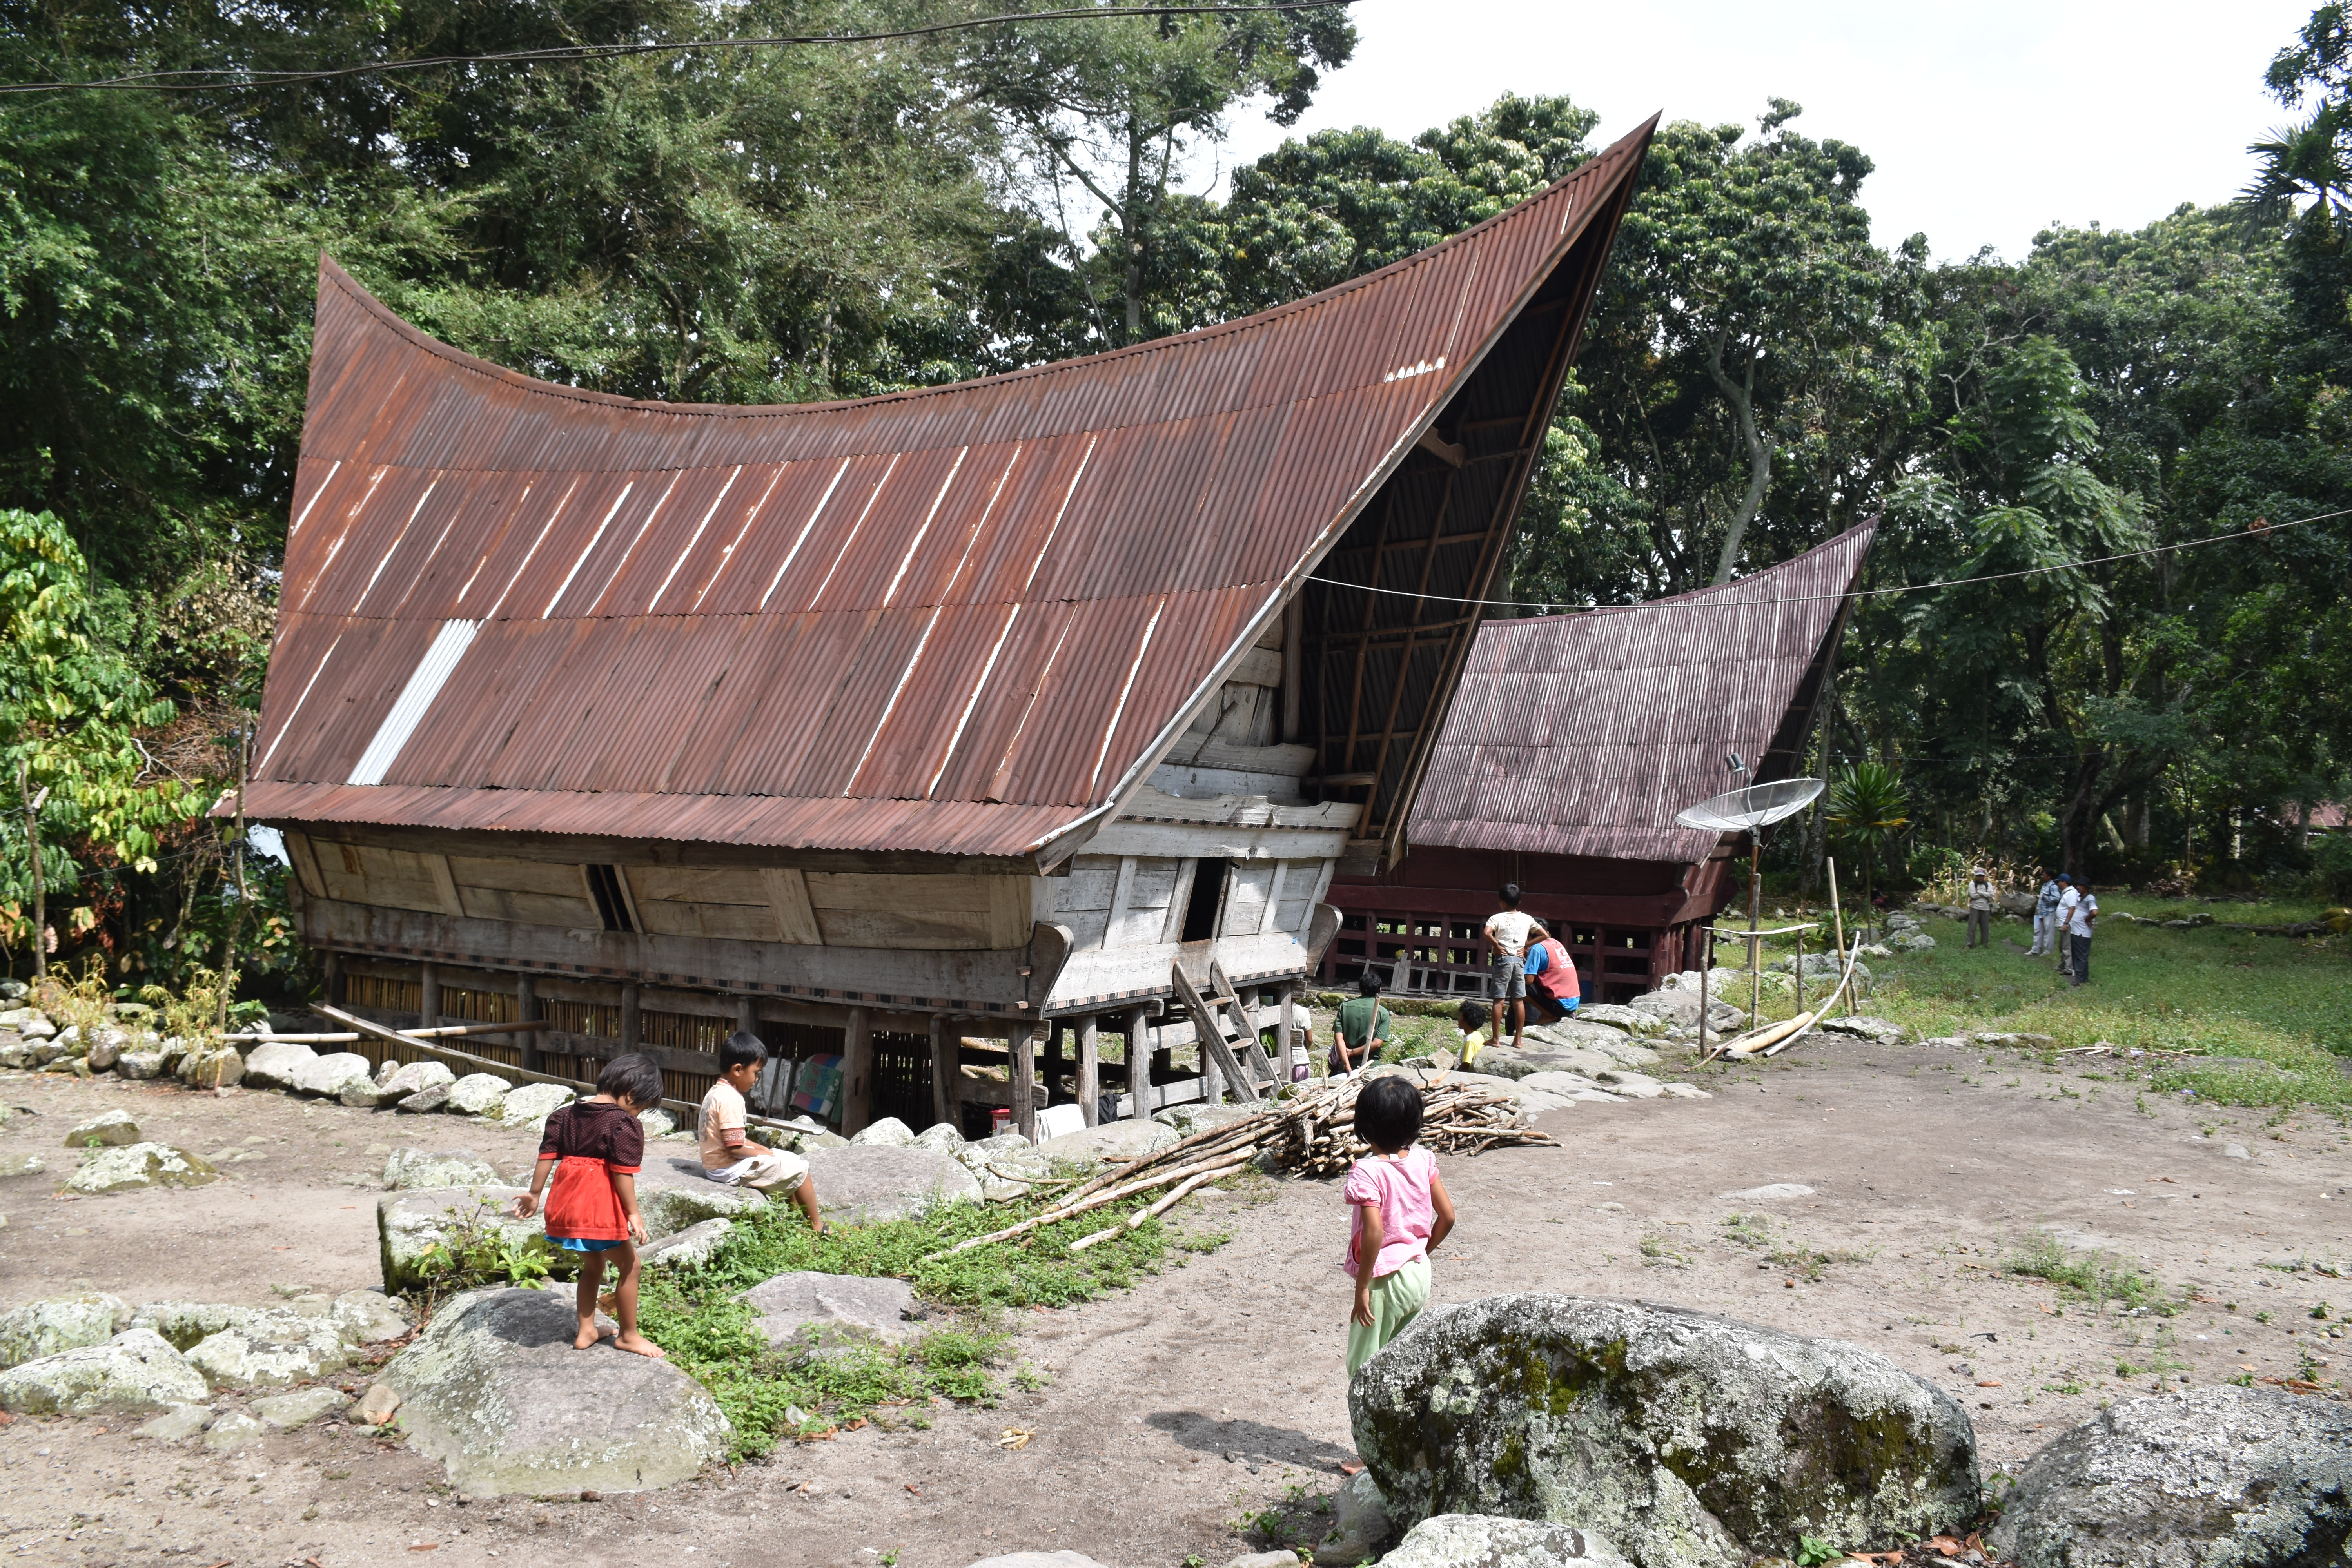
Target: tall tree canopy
[(775, 224)]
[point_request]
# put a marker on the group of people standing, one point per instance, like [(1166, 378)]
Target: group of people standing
[(2065, 914)]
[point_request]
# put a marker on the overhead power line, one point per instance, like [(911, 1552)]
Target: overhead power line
[(1692, 602), (239, 78)]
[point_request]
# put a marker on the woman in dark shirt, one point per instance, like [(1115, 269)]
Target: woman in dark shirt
[(594, 1148)]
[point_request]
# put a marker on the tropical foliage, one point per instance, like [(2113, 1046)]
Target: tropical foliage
[(775, 224)]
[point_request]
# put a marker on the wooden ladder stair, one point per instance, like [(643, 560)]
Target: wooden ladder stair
[(1227, 1036)]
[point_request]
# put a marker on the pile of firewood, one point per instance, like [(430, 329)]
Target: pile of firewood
[(1467, 1119), (1313, 1132)]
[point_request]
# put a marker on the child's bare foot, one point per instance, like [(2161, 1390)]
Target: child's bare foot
[(637, 1344), (588, 1335)]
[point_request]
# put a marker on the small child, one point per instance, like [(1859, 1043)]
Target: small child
[(1403, 1212), (729, 1155), (1476, 1035), (594, 1148)]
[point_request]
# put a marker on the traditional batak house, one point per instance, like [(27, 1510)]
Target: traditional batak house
[(1572, 743), (1010, 711)]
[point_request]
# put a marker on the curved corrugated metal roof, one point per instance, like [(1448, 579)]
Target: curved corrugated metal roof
[(961, 619), (1583, 734)]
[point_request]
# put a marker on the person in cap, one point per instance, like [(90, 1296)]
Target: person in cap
[(1983, 898)]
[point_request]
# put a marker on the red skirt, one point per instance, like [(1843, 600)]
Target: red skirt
[(582, 1203)]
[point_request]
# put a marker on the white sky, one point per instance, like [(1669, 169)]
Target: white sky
[(1987, 121)]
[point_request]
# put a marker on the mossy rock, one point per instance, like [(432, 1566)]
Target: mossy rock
[(1688, 1441)]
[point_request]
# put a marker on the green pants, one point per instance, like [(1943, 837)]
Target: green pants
[(1397, 1300)]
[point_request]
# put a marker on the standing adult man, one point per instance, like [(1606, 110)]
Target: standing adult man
[(2078, 913), (2045, 915), (1361, 1027), (1507, 959), (1982, 899)]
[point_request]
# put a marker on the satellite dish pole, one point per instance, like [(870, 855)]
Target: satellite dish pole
[(1751, 810)]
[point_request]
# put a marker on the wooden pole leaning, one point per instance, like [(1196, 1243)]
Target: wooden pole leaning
[(465, 1060), (1837, 917)]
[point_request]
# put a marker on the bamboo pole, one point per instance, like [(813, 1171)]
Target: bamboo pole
[(1837, 917), (1160, 1208)]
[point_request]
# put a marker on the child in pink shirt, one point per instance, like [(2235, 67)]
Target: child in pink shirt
[(1403, 1212)]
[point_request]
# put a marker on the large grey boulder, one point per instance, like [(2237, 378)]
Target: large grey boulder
[(411, 1226), (1005, 1165), (494, 1390), (108, 1129), (327, 1077), (1680, 1006), (944, 1136), (400, 1079), (135, 1370), (274, 1346), (1572, 1086), (65, 1322), (1484, 1540), (1685, 1439), (270, 1355), (692, 1248), (413, 1170), (139, 1167), (823, 1306), (871, 1184), (370, 1317), (216, 1065), (671, 1205), (1632, 1020), (530, 1105), (479, 1094), (273, 1063), (889, 1134), (1112, 1143), (2219, 1477)]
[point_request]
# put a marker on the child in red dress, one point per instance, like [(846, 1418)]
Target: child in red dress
[(594, 1148)]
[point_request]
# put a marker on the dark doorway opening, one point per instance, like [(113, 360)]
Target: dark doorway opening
[(1208, 898)]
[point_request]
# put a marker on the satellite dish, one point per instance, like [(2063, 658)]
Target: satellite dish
[(1758, 805)]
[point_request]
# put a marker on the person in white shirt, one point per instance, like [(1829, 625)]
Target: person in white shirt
[(2078, 913), (1506, 962)]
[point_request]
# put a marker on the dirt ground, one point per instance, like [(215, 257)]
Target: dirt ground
[(1169, 1417)]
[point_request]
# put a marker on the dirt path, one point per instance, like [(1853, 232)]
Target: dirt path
[(1169, 1415)]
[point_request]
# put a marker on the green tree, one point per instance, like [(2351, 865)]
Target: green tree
[(1749, 334), (69, 711), (1869, 810), (1105, 111)]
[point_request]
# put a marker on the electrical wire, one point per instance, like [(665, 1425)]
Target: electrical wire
[(241, 79), (1693, 602)]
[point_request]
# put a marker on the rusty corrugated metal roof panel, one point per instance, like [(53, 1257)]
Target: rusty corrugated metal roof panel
[(1584, 734), (962, 620)]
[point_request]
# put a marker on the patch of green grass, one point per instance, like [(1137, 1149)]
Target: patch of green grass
[(1749, 1230), (1657, 1254), (2253, 1000), (2087, 1277), (697, 1315)]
